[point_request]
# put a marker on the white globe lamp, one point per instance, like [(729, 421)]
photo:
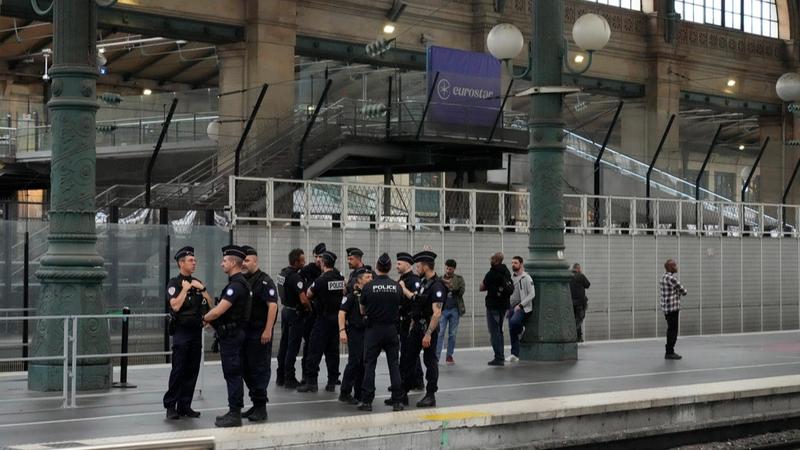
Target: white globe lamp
[(788, 87), (591, 32), (213, 130), (505, 41)]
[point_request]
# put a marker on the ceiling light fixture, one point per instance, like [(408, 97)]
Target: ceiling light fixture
[(741, 146), (731, 82), (147, 91), (388, 28), (578, 59)]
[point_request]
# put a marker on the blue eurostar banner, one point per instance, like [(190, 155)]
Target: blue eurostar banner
[(468, 89)]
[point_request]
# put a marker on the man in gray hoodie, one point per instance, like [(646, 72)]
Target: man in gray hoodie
[(521, 305)]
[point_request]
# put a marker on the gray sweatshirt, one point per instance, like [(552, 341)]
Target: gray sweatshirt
[(523, 291)]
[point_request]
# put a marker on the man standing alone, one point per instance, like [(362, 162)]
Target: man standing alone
[(453, 310), (578, 285), (521, 305), (671, 293)]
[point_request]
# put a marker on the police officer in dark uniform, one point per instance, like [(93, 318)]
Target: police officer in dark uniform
[(292, 289), (229, 318), (188, 301), (354, 262), (405, 263), (351, 332), (258, 335), (326, 294), (426, 308), (380, 303), (311, 272)]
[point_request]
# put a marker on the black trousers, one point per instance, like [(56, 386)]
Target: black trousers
[(672, 330), (580, 314), (256, 365), (231, 350), (429, 358), (308, 325), (377, 338), (416, 377), (324, 341), (291, 337), (353, 377), (187, 345)]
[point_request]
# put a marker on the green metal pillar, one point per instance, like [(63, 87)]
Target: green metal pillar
[(71, 272), (550, 333)]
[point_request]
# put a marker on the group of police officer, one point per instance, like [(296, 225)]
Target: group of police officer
[(370, 312)]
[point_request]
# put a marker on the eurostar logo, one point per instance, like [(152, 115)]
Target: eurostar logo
[(443, 89)]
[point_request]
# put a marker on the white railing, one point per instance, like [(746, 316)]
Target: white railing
[(360, 205)]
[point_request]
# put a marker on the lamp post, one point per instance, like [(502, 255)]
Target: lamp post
[(71, 272), (788, 89), (550, 333)]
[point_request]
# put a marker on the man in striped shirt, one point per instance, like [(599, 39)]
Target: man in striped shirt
[(671, 293)]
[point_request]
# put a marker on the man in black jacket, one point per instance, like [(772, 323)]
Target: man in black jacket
[(577, 286), (498, 287)]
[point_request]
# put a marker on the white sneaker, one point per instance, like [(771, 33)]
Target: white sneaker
[(512, 358)]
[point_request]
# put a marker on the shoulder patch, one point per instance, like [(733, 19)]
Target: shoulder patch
[(438, 294), (171, 290), (272, 292), (300, 285), (229, 291), (264, 282), (416, 284), (344, 300), (281, 279)]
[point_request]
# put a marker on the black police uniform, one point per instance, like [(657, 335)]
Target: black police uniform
[(413, 283), (381, 298), (354, 371), (187, 345), (327, 290), (432, 291), (290, 285), (309, 272), (230, 328), (257, 356)]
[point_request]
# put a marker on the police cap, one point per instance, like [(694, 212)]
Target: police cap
[(384, 260), (320, 248), (233, 250), (249, 251), (403, 256), (354, 251), (425, 256), (184, 252)]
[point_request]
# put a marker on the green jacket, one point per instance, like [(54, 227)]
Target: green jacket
[(457, 288)]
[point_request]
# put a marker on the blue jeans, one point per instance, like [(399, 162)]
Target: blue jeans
[(449, 319), (494, 320), (516, 322)]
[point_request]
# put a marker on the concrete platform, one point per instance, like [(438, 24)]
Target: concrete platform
[(609, 378)]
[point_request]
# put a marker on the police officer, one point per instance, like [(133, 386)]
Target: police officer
[(351, 332), (292, 290), (229, 318), (426, 308), (354, 262), (326, 294), (405, 263), (311, 272), (380, 303), (258, 334), (188, 301)]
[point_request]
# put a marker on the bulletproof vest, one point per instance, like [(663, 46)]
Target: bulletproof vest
[(259, 290), (240, 311), (310, 272), (423, 307), (287, 298), (191, 312), (330, 295)]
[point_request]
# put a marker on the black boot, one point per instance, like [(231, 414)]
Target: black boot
[(279, 381), (188, 412), (233, 418), (392, 401), (291, 383), (308, 387), (397, 407), (259, 414), (330, 387), (365, 407), (347, 398), (427, 402), (172, 413), (249, 412)]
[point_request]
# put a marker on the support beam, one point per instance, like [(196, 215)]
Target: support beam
[(152, 163), (6, 37), (40, 45), (599, 158), (187, 65), (144, 66), (653, 164), (753, 169)]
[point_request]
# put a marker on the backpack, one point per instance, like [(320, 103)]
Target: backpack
[(504, 292)]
